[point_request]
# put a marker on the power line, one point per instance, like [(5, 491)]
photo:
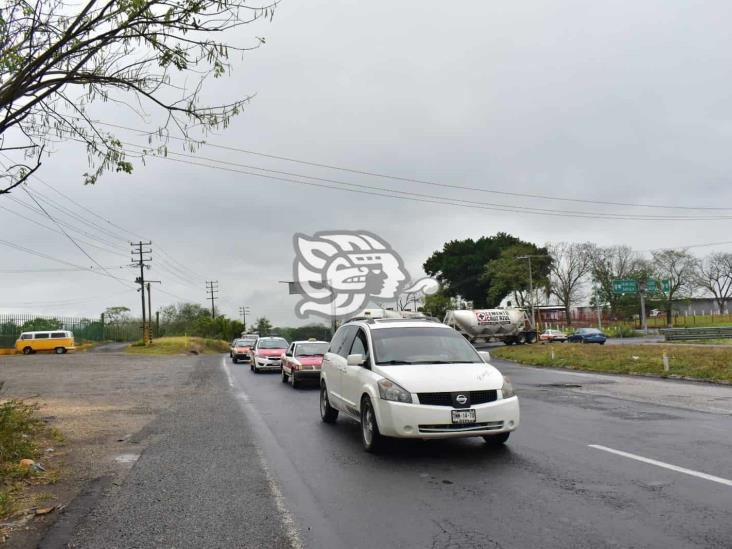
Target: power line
[(55, 259), (433, 199), (422, 181)]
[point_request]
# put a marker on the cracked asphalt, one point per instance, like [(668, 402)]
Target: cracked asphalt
[(244, 461)]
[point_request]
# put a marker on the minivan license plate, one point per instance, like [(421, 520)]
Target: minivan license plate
[(463, 416)]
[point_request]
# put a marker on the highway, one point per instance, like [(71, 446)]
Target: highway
[(583, 470)]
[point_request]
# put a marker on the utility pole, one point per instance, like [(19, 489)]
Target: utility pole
[(144, 256), (212, 288), (149, 307), (531, 288), (244, 311), (642, 292)]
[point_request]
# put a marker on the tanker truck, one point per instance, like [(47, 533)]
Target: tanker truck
[(507, 325)]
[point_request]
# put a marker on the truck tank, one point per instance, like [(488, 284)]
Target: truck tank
[(507, 325)]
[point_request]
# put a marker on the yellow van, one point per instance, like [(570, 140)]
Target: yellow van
[(58, 341)]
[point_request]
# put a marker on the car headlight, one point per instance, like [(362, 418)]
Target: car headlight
[(389, 390), (507, 388)]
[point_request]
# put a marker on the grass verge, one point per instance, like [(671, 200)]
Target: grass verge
[(179, 345), (702, 342), (713, 364), (22, 434)]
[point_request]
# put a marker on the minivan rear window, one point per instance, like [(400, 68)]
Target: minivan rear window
[(41, 336)]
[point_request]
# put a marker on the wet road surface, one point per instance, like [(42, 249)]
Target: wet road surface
[(583, 470)]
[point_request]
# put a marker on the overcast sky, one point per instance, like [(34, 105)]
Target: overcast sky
[(624, 101)]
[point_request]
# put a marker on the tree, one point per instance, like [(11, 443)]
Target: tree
[(714, 274), (460, 266), (609, 264), (679, 268), (263, 326), (436, 305), (41, 324), (510, 275), (57, 58), (116, 315), (571, 263)]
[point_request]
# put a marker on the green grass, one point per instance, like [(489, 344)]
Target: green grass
[(703, 342), (712, 364), (179, 345), (20, 427)]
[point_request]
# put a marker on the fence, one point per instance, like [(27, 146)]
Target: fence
[(85, 329), (584, 319)]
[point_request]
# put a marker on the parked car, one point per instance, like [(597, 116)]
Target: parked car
[(550, 336), (303, 360), (414, 379), (57, 341), (240, 349), (587, 335), (267, 354)]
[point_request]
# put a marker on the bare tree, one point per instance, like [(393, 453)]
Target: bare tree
[(612, 263), (679, 268), (571, 263), (714, 274), (57, 58)]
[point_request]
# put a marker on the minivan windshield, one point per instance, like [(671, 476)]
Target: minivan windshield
[(422, 345), (245, 342), (274, 343)]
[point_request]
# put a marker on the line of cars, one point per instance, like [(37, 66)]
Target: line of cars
[(402, 378)]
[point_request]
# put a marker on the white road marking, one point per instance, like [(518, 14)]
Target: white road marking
[(288, 520), (226, 369), (676, 468)]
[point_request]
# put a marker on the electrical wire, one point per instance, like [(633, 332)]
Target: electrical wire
[(420, 181)]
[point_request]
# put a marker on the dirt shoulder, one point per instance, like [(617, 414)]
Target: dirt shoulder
[(98, 402)]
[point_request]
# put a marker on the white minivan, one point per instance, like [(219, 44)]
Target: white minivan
[(414, 379)]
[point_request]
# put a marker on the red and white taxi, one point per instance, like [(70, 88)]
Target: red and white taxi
[(303, 360), (266, 354), (240, 349)]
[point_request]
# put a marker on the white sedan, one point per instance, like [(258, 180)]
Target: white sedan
[(414, 379)]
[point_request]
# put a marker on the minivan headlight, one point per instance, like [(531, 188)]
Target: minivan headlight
[(389, 390), (507, 388)]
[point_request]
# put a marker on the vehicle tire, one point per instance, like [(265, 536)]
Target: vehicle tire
[(256, 370), (59, 350), (294, 381), (327, 413), (284, 376), (234, 360), (602, 343), (251, 367), (370, 434), (27, 350), (496, 440)]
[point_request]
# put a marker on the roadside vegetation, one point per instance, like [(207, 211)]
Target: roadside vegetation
[(713, 364), (22, 436), (179, 345)]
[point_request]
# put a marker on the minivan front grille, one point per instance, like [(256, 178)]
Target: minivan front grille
[(461, 428), (448, 399)]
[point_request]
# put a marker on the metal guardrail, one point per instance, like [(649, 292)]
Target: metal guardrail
[(678, 334)]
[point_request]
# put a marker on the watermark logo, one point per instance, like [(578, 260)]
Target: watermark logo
[(338, 273)]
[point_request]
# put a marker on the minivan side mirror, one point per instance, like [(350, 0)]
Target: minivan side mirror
[(356, 360), (485, 355)]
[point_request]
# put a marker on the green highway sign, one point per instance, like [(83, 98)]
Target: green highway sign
[(625, 286), (628, 286)]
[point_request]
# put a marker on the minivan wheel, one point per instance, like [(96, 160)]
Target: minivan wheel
[(284, 376), (327, 413), (496, 440), (60, 350), (370, 434), (27, 350)]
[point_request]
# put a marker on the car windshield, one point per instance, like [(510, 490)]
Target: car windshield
[(423, 345), (309, 349), (274, 343), (244, 343)]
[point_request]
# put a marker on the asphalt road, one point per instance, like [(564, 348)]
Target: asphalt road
[(548, 487)]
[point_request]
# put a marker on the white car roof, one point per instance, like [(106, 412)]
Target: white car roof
[(386, 323), (310, 341)]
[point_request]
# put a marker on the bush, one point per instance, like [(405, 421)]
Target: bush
[(621, 331)]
